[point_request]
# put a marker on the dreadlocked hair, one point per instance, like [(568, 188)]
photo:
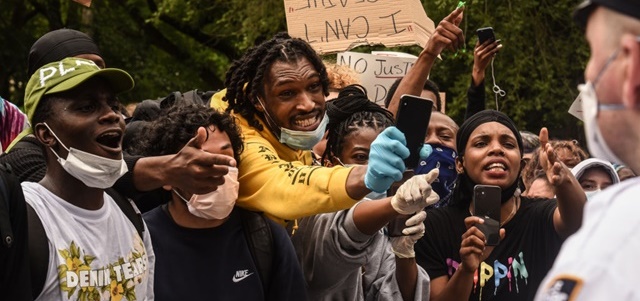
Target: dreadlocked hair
[(255, 64), (350, 112), (179, 124)]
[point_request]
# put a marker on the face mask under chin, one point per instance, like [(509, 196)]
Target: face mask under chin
[(298, 140), (92, 170)]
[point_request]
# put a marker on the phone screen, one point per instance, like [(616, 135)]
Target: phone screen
[(486, 204), (485, 33), (412, 119)]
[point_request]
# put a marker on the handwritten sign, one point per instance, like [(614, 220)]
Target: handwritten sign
[(339, 25), (377, 72)]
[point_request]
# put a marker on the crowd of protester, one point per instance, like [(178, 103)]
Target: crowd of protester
[(290, 184)]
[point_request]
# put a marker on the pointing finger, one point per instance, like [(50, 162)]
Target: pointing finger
[(455, 15)]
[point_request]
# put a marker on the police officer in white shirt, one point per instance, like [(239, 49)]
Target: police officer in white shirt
[(600, 261)]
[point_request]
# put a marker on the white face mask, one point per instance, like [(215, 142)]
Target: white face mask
[(218, 204), (93, 170), (300, 140), (590, 107), (595, 141), (591, 194), (304, 140)]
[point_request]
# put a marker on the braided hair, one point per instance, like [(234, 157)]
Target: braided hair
[(350, 112), (255, 64)]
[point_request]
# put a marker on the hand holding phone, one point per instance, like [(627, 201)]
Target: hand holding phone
[(412, 120), (485, 34), (402, 246), (397, 224), (487, 205)]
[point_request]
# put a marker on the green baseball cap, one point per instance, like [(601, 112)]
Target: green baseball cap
[(65, 75)]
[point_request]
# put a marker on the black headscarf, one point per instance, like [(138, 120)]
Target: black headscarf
[(59, 44), (464, 185)]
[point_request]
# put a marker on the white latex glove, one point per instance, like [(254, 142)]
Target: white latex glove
[(402, 246), (415, 194)]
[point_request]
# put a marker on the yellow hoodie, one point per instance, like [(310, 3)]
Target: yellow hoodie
[(280, 181)]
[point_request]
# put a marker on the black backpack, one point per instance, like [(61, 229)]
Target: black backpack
[(14, 275), (260, 240), (178, 98)]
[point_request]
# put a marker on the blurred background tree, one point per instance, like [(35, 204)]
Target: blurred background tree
[(540, 66), (179, 45)]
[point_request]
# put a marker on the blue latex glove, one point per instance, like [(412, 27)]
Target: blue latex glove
[(386, 163)]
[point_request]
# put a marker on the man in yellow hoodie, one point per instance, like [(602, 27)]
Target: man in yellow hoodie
[(277, 93)]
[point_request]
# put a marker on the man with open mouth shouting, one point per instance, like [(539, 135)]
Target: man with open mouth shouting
[(94, 249)]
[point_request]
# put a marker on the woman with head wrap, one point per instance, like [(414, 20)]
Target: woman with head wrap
[(453, 251)]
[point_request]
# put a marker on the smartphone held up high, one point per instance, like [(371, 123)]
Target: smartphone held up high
[(412, 120), (485, 34)]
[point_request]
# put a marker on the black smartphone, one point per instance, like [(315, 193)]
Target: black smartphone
[(486, 204), (485, 33), (412, 119), (396, 225)]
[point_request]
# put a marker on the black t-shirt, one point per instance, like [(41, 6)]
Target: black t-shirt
[(516, 266), (216, 264)]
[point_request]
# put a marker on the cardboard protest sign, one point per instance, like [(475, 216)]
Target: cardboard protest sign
[(377, 72), (339, 25)]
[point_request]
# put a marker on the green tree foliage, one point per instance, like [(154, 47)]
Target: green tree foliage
[(170, 45), (166, 45), (541, 64)]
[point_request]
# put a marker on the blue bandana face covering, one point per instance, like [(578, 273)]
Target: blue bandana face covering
[(444, 159)]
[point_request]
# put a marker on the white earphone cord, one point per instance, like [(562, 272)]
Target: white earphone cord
[(496, 89)]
